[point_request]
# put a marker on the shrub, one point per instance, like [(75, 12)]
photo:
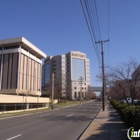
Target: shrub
[(129, 114)]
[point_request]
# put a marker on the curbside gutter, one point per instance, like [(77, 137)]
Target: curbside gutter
[(62, 107), (80, 136), (10, 114)]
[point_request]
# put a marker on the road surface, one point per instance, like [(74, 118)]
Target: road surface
[(64, 124)]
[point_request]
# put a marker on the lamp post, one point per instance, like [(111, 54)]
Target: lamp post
[(52, 91), (81, 83)]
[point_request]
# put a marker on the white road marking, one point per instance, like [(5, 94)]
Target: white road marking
[(70, 115), (44, 115), (15, 116), (14, 137)]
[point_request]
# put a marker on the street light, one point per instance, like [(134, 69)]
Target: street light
[(81, 83)]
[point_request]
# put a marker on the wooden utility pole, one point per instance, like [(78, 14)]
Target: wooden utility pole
[(103, 73), (52, 90), (81, 83)]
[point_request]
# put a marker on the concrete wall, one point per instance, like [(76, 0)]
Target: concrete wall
[(22, 99), (55, 101)]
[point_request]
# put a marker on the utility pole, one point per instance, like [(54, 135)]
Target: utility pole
[(103, 72), (81, 83), (52, 90)]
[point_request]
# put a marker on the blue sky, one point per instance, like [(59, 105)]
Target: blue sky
[(59, 26)]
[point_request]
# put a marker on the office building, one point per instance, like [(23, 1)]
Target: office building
[(20, 67), (71, 75)]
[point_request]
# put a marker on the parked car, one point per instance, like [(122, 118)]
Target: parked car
[(130, 101)]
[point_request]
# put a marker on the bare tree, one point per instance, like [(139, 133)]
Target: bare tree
[(60, 85), (93, 95), (90, 94), (123, 80)]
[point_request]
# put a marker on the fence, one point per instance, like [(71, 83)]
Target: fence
[(22, 106)]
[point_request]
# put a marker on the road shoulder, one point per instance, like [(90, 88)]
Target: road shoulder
[(107, 125)]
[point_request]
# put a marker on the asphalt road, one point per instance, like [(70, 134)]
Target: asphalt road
[(64, 124)]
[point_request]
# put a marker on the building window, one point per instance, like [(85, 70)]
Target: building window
[(82, 95), (79, 94), (64, 66), (47, 73), (78, 68), (75, 94), (75, 87), (11, 47)]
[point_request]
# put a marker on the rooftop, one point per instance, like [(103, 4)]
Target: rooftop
[(25, 43)]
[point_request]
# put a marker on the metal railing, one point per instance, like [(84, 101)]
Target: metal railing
[(21, 106)]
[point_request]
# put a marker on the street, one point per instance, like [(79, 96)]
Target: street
[(64, 124)]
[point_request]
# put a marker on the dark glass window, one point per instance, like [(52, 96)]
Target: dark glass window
[(47, 73), (11, 47), (75, 94), (25, 49), (78, 68)]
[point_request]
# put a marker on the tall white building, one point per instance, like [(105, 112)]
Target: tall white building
[(20, 75), (71, 75), (21, 64)]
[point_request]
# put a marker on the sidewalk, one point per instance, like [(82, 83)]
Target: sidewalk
[(106, 126)]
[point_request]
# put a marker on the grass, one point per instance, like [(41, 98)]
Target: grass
[(8, 114), (69, 103)]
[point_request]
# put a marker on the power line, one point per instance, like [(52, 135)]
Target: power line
[(108, 18), (90, 20), (96, 24), (91, 15), (96, 27), (93, 42), (95, 33), (97, 19), (108, 29), (92, 30)]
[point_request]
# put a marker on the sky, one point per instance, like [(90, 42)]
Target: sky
[(59, 26)]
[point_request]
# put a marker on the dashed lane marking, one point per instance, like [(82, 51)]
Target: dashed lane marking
[(14, 137), (70, 115)]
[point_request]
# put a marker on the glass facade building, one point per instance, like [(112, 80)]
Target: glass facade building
[(68, 70), (47, 73), (78, 68)]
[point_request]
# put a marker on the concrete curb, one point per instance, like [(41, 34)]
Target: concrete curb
[(13, 113), (25, 110), (62, 107), (88, 125), (105, 126)]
